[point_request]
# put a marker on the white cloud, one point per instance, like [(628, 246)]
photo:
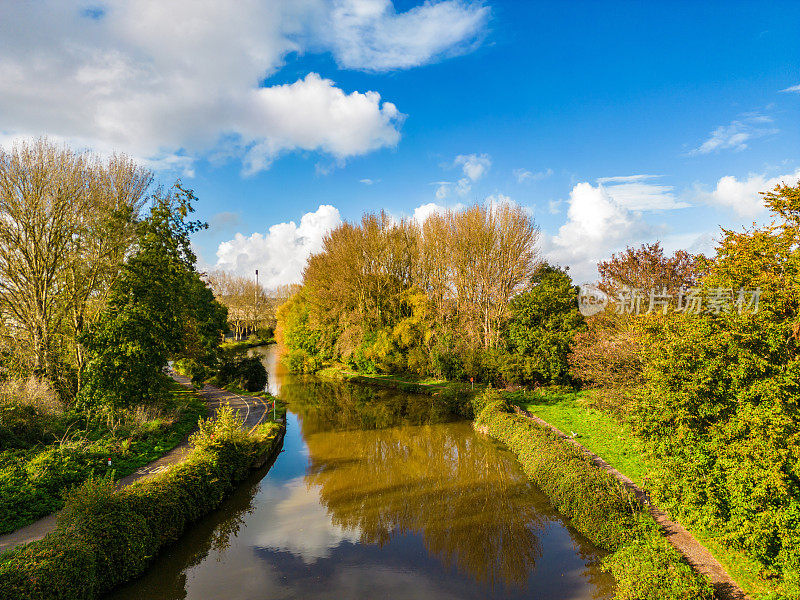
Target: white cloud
[(736, 135), (442, 189), (368, 181), (281, 254), (554, 206), (633, 193), (742, 196), (474, 166), (524, 175), (340, 124), (596, 226), (301, 510), (122, 79), (422, 212), (371, 35), (794, 88)]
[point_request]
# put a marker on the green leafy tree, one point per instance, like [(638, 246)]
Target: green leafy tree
[(543, 324), (721, 402), (158, 309)]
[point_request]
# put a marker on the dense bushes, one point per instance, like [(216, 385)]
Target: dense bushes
[(596, 503), (649, 567), (107, 536), (720, 400), (598, 506), (241, 371)]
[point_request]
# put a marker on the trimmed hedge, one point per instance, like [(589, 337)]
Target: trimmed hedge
[(645, 566), (107, 536)]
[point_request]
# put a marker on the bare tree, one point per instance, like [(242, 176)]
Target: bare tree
[(67, 220)]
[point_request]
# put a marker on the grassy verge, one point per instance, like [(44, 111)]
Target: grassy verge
[(107, 536), (599, 432), (33, 480), (617, 445), (645, 566)]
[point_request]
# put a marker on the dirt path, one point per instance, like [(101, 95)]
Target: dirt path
[(252, 410), (697, 554)]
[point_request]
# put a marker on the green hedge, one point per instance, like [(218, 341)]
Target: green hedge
[(645, 566), (107, 536)]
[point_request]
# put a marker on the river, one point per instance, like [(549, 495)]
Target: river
[(371, 497)]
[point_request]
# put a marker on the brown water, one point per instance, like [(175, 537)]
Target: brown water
[(366, 501)]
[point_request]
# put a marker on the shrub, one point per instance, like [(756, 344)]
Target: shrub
[(650, 568), (245, 372)]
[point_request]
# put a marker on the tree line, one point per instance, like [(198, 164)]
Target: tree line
[(447, 298)]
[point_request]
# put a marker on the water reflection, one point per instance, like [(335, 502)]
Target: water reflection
[(409, 511), (470, 503), (326, 405)]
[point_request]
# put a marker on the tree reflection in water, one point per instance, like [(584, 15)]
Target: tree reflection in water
[(470, 502)]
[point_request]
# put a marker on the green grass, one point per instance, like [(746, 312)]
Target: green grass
[(250, 342), (33, 481), (616, 444), (405, 382), (600, 433)]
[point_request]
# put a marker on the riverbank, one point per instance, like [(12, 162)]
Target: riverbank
[(430, 387), (600, 433), (246, 344), (644, 564), (107, 536)]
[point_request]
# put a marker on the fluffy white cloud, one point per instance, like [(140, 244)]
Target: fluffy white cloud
[(742, 196), (596, 225), (281, 254), (371, 35), (302, 510), (524, 175), (422, 212), (337, 123), (122, 77), (474, 166), (794, 88), (736, 135)]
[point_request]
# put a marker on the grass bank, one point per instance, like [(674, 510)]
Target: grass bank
[(107, 536), (644, 564), (33, 480), (616, 444)]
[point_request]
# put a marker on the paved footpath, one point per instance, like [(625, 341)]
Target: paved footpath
[(252, 410), (698, 556)]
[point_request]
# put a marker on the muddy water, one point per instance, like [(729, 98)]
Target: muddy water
[(369, 499)]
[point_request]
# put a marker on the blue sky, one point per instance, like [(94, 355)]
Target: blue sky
[(614, 123)]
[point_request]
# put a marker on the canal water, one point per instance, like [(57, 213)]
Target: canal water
[(373, 496)]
